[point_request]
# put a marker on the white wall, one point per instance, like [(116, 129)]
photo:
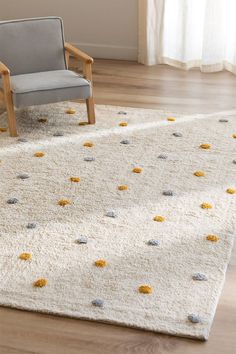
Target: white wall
[(104, 28)]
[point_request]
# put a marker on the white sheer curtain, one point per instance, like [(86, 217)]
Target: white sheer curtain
[(188, 33)]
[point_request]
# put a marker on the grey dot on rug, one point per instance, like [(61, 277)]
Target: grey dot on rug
[(199, 277), (82, 240), (223, 120), (125, 142), (111, 214), (58, 134), (178, 135), (31, 225), (168, 193), (89, 159), (162, 156), (22, 140), (153, 242), (194, 318), (23, 176), (12, 201), (98, 303)]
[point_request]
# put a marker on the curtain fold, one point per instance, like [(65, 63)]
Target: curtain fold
[(151, 16), (188, 33)]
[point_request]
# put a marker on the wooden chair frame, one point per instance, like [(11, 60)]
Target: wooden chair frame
[(7, 94)]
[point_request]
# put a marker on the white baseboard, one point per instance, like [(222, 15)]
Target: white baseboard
[(103, 51)]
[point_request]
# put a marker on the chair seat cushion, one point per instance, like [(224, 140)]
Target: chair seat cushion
[(49, 87)]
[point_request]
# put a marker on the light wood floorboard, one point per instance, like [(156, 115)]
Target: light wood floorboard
[(131, 84)]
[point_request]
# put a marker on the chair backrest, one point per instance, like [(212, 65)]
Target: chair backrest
[(32, 45)]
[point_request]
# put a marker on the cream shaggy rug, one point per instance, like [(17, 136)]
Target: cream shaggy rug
[(149, 255)]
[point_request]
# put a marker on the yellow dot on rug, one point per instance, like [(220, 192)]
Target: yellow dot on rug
[(212, 238), (199, 174), (88, 144), (159, 218), (64, 202), (171, 119), (123, 187), (25, 256), (145, 289), (206, 206), (231, 191), (39, 154), (43, 120), (70, 111), (234, 136), (40, 283), (75, 179), (137, 170), (3, 130), (100, 263), (83, 123), (205, 146), (123, 124)]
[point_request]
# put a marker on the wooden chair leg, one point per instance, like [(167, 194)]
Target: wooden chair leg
[(90, 110), (9, 104), (10, 114)]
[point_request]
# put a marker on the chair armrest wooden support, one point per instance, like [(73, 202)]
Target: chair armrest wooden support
[(87, 61), (4, 69), (85, 58), (5, 74), (7, 93), (77, 53)]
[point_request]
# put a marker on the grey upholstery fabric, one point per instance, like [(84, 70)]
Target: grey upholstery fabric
[(48, 87), (32, 45)]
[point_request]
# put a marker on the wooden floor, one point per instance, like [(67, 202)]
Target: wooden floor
[(135, 85), (131, 84)]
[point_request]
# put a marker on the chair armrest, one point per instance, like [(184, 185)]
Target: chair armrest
[(77, 53), (6, 79), (4, 69)]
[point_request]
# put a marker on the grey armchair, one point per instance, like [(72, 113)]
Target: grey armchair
[(34, 67)]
